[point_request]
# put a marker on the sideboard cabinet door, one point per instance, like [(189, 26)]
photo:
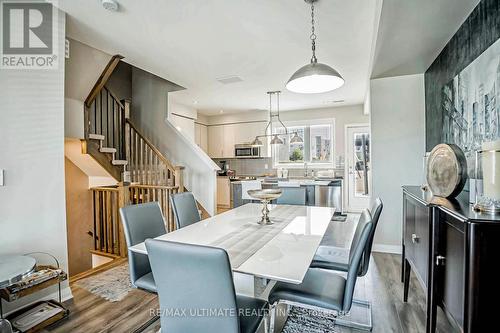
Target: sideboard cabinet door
[(453, 247)]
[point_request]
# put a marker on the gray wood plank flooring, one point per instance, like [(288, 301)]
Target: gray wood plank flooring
[(381, 286)]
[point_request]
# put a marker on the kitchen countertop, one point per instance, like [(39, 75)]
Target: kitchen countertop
[(301, 182)]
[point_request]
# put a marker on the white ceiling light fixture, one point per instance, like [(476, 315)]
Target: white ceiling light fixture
[(110, 5), (314, 77), (276, 140)]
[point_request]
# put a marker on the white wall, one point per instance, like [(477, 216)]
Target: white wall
[(82, 69), (32, 202), (149, 113), (398, 147), (182, 117)]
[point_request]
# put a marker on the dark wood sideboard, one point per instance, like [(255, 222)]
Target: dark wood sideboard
[(455, 254)]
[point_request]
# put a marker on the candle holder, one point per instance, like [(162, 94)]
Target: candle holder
[(487, 178), (265, 196)]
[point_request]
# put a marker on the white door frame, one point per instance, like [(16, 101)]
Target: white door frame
[(346, 169)]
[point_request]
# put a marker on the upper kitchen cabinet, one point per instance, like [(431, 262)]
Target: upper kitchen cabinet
[(201, 136), (216, 141), (246, 133), (229, 140), (222, 138), (221, 141)]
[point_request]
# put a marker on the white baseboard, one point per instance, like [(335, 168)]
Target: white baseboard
[(384, 248)]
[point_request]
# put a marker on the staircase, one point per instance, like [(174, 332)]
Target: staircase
[(143, 172)]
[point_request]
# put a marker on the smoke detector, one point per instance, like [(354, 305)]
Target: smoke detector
[(111, 5)]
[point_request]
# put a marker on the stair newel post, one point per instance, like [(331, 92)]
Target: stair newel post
[(126, 137), (179, 178), (179, 183), (123, 200)]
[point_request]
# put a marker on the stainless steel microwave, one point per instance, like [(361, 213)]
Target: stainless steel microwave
[(246, 151)]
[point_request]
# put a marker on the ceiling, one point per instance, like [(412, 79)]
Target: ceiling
[(194, 42), (412, 33)]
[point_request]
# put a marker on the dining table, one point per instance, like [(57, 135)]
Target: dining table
[(281, 251)]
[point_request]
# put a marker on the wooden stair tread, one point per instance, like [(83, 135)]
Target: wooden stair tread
[(93, 136), (107, 150)]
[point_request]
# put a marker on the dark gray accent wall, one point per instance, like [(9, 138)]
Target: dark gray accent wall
[(477, 33)]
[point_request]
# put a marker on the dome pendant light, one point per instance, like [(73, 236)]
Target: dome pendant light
[(314, 77), (276, 140), (296, 139)]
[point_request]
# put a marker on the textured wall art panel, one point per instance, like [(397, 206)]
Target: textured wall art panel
[(462, 86), (471, 102)]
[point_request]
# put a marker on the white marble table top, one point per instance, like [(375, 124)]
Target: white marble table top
[(280, 252)]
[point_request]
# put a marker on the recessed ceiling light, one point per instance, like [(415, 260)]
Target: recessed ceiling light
[(111, 5)]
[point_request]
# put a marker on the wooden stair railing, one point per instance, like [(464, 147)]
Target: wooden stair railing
[(147, 165), (108, 228), (103, 124), (155, 193), (119, 146), (103, 79), (115, 142), (104, 132), (108, 231)]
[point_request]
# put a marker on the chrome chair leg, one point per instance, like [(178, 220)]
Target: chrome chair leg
[(272, 317), (355, 318), (266, 323)]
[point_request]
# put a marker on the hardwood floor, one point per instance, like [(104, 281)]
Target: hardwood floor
[(381, 286), (90, 313)]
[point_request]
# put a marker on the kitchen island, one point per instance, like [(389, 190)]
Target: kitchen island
[(314, 189)]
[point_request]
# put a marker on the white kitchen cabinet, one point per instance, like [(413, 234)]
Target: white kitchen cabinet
[(223, 192), (216, 141), (222, 138), (246, 133), (229, 140), (201, 136)]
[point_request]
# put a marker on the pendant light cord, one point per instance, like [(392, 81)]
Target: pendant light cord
[(277, 93), (313, 36)]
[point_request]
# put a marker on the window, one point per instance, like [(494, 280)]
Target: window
[(321, 143), (317, 147)]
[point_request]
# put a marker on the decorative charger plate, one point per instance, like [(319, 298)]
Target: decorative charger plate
[(446, 170)]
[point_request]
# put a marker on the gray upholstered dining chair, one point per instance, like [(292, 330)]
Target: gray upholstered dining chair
[(196, 279), (185, 209), (141, 222), (292, 196), (337, 262), (323, 289)]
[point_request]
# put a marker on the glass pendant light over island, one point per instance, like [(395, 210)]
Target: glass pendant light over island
[(314, 77), (276, 140)]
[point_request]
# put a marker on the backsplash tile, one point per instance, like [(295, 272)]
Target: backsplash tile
[(257, 167)]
